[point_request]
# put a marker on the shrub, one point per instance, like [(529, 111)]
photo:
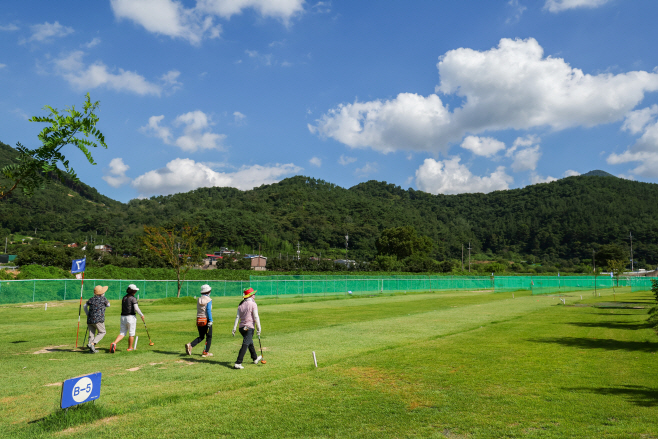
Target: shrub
[(39, 272)]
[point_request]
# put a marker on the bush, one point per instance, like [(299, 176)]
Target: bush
[(39, 272)]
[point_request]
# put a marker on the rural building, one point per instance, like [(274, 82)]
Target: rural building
[(258, 262)]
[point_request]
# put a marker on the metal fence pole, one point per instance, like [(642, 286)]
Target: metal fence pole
[(34, 287)]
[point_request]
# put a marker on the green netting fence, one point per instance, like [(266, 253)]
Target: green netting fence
[(23, 291)]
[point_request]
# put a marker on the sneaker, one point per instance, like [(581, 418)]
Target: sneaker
[(188, 348), (92, 348), (206, 354), (130, 349), (257, 360), (239, 366), (113, 348)]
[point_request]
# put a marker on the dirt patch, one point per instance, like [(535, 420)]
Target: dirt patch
[(153, 364), (379, 380), (41, 305), (49, 349), (52, 384), (103, 421), (188, 363), (133, 369)]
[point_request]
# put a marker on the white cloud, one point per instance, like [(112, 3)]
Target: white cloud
[(535, 179), (519, 9), (239, 118), (182, 175), (483, 146), (116, 174), (562, 5), (2, 66), (571, 173), (44, 33), (645, 149), (171, 18), (525, 155), (196, 131), (262, 58), (321, 7), (167, 17), (451, 177), (9, 28), (368, 169), (345, 160), (512, 86), (170, 80), (526, 159), (85, 77), (409, 121), (93, 43), (283, 10), (315, 161)]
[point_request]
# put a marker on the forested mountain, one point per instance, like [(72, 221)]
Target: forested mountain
[(565, 219)]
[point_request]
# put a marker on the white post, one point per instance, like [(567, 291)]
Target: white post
[(135, 345), (315, 360)]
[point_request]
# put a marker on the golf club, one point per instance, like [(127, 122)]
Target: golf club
[(261, 350), (85, 339), (147, 333)]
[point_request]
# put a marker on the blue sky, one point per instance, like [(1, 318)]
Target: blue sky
[(442, 96)]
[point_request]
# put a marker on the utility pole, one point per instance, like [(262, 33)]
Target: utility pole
[(5, 245), (469, 257), (631, 235), (346, 239), (298, 252), (462, 256)]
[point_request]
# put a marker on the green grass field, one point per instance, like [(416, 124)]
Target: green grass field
[(435, 365)]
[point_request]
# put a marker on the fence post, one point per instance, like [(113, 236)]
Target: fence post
[(64, 289), (34, 287), (224, 287)]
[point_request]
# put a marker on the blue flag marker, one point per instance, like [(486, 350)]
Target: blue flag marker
[(78, 265), (81, 389)]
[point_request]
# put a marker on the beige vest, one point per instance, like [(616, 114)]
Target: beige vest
[(202, 304)]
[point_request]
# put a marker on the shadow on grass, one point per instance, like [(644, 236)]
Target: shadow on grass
[(190, 359), (63, 419), (614, 325), (603, 343), (638, 395)]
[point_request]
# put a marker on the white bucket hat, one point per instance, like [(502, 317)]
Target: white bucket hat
[(205, 289), (133, 287)]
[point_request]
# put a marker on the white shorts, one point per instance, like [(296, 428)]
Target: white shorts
[(128, 324)]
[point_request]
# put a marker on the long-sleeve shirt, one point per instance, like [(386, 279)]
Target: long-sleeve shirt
[(247, 315)]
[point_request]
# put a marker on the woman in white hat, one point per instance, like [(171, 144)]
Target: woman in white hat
[(95, 310), (203, 322), (247, 317), (128, 320)]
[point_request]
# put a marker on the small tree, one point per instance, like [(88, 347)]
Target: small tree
[(34, 165), (617, 267), (181, 248), (403, 242), (654, 288)]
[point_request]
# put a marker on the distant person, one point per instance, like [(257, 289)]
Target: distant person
[(128, 320), (247, 316), (95, 311), (203, 322)]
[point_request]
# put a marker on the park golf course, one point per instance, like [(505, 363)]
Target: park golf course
[(427, 365)]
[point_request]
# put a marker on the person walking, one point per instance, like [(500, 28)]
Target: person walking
[(95, 311), (128, 320), (203, 322), (247, 316)]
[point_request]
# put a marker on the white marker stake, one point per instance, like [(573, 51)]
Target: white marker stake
[(135, 345), (315, 361), (46, 307), (512, 295)]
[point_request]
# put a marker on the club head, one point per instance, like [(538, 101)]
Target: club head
[(151, 344)]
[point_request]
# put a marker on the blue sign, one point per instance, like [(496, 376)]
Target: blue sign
[(81, 389), (78, 265)]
